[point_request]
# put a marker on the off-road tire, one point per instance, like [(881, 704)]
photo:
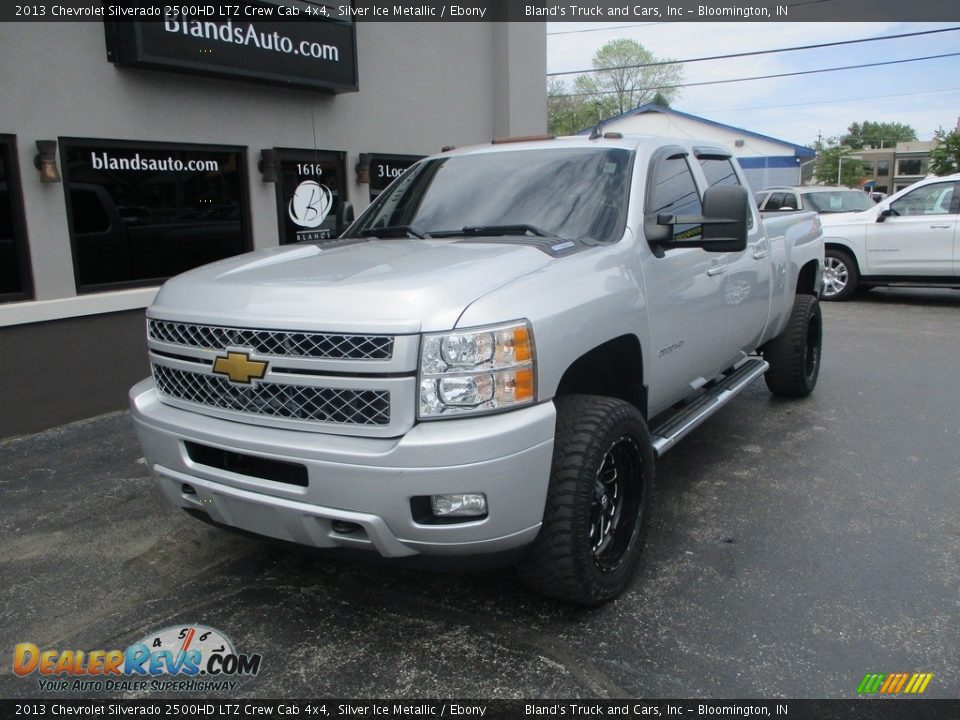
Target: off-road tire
[(593, 434), (841, 261), (795, 354)]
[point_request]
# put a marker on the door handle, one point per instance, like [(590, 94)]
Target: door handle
[(760, 254), (716, 270), (941, 227)]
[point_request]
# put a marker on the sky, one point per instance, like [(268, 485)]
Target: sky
[(924, 95)]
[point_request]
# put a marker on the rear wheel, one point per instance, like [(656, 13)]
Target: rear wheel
[(840, 276), (598, 502), (794, 355)]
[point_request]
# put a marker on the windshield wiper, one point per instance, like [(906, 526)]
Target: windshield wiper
[(388, 231), (518, 229)]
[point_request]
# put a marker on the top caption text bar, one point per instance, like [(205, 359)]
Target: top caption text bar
[(486, 11)]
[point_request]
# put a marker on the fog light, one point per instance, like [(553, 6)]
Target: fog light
[(459, 505), (343, 527)]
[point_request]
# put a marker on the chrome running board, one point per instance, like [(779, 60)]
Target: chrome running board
[(676, 427)]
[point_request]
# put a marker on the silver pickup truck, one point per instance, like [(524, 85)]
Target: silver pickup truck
[(488, 361)]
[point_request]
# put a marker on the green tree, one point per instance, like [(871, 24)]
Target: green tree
[(616, 74), (945, 157), (869, 134), (567, 110), (661, 99), (829, 154), (616, 85)]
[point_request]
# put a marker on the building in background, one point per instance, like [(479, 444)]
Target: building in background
[(766, 161), (132, 152), (888, 170)]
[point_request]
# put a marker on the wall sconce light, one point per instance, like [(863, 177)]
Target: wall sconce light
[(46, 161), (363, 169), (268, 165)]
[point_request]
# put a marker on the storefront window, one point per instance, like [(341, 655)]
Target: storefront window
[(310, 193), (384, 169), (911, 166), (142, 212), (14, 260)]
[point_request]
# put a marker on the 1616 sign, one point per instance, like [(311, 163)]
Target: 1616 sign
[(311, 187)]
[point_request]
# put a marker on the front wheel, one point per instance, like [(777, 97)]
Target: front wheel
[(840, 276), (794, 355), (598, 502)]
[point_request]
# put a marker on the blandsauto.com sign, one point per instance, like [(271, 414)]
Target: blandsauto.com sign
[(320, 54)]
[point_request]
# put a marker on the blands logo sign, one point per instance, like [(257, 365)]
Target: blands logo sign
[(894, 683)]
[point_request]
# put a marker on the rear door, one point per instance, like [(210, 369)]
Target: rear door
[(745, 283), (918, 239)]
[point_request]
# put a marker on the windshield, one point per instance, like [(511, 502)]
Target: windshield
[(569, 193), (838, 201)]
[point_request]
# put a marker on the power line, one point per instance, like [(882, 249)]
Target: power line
[(829, 102), (761, 77), (609, 27), (795, 48)]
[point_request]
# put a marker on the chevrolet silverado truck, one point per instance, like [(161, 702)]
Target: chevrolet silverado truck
[(489, 359), (910, 239)]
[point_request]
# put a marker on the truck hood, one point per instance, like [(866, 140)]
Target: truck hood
[(389, 286)]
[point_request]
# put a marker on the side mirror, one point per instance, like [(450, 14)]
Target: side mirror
[(884, 214), (726, 211)]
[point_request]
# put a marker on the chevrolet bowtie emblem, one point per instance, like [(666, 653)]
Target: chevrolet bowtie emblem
[(239, 367)]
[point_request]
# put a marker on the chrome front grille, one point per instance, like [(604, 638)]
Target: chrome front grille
[(274, 342), (295, 402)]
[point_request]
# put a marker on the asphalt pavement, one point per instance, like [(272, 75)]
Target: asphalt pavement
[(794, 547)]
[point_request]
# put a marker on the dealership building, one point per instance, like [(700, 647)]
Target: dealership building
[(130, 152)]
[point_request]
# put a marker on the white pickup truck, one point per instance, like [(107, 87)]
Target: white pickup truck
[(911, 239), (488, 361)]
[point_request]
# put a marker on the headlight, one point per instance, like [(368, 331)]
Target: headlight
[(476, 371)]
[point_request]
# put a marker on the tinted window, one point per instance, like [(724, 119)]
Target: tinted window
[(89, 213), (140, 213), (933, 199), (790, 200), (675, 193), (14, 268), (776, 201), (570, 193), (883, 167), (719, 172)]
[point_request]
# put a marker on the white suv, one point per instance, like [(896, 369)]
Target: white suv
[(910, 239)]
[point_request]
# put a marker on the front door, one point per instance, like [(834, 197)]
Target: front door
[(917, 238), (687, 313)]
